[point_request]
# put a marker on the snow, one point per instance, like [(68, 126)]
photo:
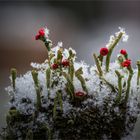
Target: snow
[(25, 85)]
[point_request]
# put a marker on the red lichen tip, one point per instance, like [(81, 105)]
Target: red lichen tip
[(126, 63), (104, 51), (37, 37), (65, 63), (41, 32), (123, 52), (80, 94), (54, 66)]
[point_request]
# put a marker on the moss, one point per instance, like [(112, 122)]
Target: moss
[(87, 123)]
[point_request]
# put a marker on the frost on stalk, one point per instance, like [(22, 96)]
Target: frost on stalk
[(124, 36), (46, 32), (94, 113), (112, 37)]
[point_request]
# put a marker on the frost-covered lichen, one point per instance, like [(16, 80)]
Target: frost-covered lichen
[(65, 99)]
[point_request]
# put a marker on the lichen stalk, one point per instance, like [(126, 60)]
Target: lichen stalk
[(79, 76), (54, 107), (71, 67), (48, 45), (59, 95), (138, 75), (48, 131), (119, 86), (111, 50), (37, 88), (48, 80), (13, 76), (101, 59), (129, 83), (98, 65), (69, 86)]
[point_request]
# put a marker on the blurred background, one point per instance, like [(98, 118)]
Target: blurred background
[(83, 25)]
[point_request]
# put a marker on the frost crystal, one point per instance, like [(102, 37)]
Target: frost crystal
[(46, 32), (112, 37)]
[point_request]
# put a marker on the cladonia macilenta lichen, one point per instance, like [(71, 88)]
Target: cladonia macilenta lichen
[(65, 99)]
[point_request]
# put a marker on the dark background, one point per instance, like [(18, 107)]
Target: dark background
[(83, 25)]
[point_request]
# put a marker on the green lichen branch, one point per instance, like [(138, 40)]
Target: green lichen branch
[(111, 48), (13, 72), (58, 100), (37, 88), (138, 75), (48, 80), (129, 82), (69, 85), (71, 67), (79, 76), (48, 44), (100, 57), (100, 72), (13, 115), (47, 130), (119, 86)]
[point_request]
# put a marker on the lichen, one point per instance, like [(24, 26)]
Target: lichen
[(65, 99)]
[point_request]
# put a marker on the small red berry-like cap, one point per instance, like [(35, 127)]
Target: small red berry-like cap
[(41, 32), (37, 37), (65, 63), (104, 51), (123, 52), (54, 66), (80, 94), (126, 63)]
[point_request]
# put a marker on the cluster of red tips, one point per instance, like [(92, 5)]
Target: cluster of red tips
[(104, 51), (37, 37), (41, 33), (65, 63), (80, 94), (126, 63), (54, 66), (123, 52)]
